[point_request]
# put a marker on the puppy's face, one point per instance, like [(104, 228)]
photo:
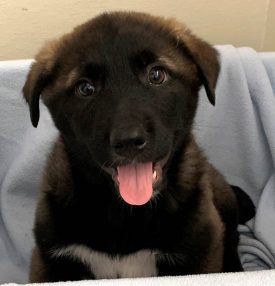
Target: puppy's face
[(124, 86)]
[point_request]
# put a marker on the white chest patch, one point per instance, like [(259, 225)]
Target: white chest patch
[(138, 264)]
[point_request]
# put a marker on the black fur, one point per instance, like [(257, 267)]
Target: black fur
[(194, 217)]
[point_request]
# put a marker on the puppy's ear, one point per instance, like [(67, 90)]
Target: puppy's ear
[(38, 78), (205, 57)]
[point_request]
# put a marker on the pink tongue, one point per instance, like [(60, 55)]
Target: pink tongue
[(135, 183)]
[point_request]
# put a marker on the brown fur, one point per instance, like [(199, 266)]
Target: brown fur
[(197, 191)]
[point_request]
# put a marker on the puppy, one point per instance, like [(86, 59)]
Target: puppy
[(126, 190)]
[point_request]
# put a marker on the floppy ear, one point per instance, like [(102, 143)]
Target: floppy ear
[(205, 57), (39, 76)]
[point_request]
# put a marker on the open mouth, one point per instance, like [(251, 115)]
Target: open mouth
[(137, 181)]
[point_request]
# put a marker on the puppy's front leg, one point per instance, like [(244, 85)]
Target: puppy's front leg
[(45, 269), (181, 264)]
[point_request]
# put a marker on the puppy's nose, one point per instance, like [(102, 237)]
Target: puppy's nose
[(128, 142)]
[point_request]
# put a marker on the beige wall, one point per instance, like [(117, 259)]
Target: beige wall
[(26, 24)]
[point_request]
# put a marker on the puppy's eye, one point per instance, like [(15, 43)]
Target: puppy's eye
[(84, 88), (157, 75)]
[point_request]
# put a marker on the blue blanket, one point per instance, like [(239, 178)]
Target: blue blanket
[(238, 136)]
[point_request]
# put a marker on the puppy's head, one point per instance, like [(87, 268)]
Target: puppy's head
[(125, 87)]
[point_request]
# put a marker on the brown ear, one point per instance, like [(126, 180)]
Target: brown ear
[(39, 76), (205, 57)]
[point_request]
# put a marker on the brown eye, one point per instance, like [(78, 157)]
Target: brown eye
[(85, 88), (157, 75)]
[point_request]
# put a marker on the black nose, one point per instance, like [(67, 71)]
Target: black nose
[(128, 142)]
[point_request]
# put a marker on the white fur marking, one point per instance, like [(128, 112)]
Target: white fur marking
[(139, 264)]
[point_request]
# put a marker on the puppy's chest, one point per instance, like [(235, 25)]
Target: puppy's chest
[(138, 264)]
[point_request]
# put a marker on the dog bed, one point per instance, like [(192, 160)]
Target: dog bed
[(237, 135)]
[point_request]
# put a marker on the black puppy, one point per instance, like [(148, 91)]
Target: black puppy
[(126, 190)]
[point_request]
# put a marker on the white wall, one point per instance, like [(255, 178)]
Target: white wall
[(26, 24)]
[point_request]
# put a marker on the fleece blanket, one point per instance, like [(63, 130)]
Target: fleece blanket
[(237, 135)]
